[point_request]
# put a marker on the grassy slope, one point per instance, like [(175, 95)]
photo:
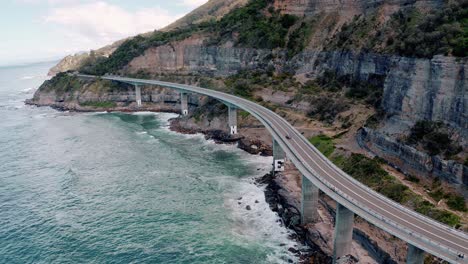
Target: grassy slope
[(370, 172)]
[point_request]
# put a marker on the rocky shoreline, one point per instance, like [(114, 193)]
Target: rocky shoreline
[(291, 218), (276, 195)]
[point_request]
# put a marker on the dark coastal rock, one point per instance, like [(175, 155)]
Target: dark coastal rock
[(255, 147), (221, 136), (290, 216), (348, 259)]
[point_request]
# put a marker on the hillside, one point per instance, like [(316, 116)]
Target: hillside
[(378, 86), (212, 10)]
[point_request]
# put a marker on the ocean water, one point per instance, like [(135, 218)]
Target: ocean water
[(122, 188)]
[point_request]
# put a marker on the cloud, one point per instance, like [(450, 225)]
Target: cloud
[(101, 23), (50, 2), (193, 3)]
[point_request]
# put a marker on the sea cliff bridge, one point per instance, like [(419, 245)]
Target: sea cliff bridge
[(318, 173)]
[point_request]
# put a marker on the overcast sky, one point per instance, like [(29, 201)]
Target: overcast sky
[(38, 30)]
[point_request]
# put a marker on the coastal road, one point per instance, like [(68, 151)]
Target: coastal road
[(412, 227)]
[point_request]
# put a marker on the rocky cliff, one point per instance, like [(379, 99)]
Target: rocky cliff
[(413, 89), (191, 56), (412, 160)]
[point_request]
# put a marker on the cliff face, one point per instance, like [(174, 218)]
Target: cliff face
[(412, 160), (414, 89), (190, 56)]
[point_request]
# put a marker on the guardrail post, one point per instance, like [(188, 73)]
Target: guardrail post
[(138, 94), (278, 157), (344, 221), (309, 202), (232, 111), (184, 103), (415, 255)]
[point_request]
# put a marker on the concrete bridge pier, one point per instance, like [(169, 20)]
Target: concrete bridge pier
[(138, 95), (232, 110), (278, 157), (343, 237), (309, 201), (184, 103), (415, 255)]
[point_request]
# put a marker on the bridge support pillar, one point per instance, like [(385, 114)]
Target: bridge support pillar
[(232, 110), (309, 202), (184, 103), (138, 95), (278, 157), (415, 255), (343, 238)]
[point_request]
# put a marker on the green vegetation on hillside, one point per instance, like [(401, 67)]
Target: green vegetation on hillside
[(368, 91), (434, 137), (324, 144), (245, 82), (248, 26), (409, 32), (326, 108), (370, 172), (255, 28), (454, 201), (300, 37), (135, 47), (442, 31), (61, 83)]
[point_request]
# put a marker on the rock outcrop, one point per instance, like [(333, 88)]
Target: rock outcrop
[(412, 160), (74, 62), (414, 89)]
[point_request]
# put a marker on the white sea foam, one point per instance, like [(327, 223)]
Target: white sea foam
[(259, 224), (28, 90), (29, 77)]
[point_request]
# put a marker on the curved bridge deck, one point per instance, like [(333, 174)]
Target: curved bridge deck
[(416, 229)]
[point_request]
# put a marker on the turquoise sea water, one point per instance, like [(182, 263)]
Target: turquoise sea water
[(122, 188)]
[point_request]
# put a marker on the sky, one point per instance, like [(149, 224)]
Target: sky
[(42, 30)]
